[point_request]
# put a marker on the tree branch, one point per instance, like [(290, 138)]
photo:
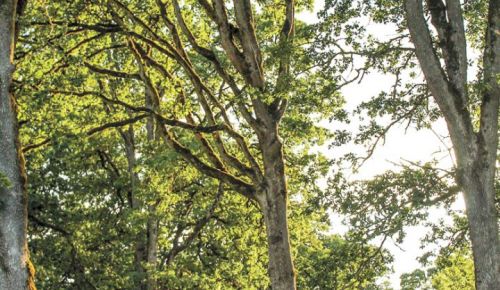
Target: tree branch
[(237, 184), (450, 103), (187, 241), (116, 124)]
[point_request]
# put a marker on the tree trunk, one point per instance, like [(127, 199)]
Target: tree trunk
[(281, 268), (479, 196), (152, 249), (152, 223), (146, 247), (475, 151), (273, 202), (16, 271), (140, 248), (477, 178)]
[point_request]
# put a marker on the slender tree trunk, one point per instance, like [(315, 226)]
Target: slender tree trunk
[(140, 248), (273, 201), (146, 247), (152, 249), (16, 271), (152, 223)]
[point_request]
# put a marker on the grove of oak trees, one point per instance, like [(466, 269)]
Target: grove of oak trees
[(231, 89)]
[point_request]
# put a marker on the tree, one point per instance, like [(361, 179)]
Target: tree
[(390, 202), (215, 79), (470, 109), (16, 271), (414, 280), (475, 148)]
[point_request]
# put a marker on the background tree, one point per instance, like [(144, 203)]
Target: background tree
[(450, 271)]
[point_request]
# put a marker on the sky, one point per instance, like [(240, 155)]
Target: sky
[(401, 145)]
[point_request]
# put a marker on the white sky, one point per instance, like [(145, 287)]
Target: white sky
[(400, 146)]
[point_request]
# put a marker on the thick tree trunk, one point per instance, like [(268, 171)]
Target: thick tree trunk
[(281, 268), (273, 201), (479, 196), (15, 268), (477, 168)]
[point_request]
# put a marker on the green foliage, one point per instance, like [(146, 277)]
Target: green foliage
[(93, 195), (331, 262), (414, 280), (4, 181), (454, 272), (90, 205), (95, 227), (450, 271), (388, 203)]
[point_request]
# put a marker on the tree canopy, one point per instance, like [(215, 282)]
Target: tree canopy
[(179, 144)]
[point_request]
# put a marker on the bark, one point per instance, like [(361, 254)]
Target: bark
[(479, 182), (483, 226), (272, 198), (16, 271), (281, 270), (475, 151)]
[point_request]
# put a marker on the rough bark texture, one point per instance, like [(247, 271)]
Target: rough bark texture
[(272, 198), (16, 271), (483, 227), (281, 267), (475, 150)]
